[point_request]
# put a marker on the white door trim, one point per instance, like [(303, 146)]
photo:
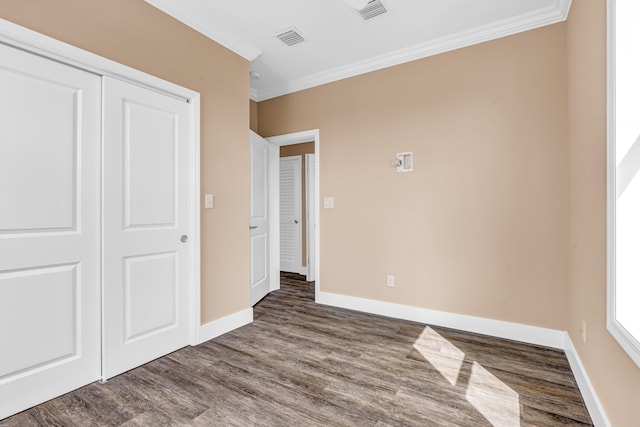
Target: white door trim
[(310, 187), (312, 135), (40, 44)]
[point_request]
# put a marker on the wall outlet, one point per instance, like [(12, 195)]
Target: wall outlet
[(328, 203), (391, 280), (584, 331)]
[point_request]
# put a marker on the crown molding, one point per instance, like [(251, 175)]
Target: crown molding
[(211, 28), (558, 12)]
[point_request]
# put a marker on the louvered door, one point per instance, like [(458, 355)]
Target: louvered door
[(290, 213)]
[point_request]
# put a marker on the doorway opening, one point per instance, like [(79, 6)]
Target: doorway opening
[(297, 204), (305, 144)]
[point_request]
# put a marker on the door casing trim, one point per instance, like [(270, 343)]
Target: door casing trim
[(312, 135)]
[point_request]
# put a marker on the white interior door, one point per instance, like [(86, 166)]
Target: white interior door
[(290, 213), (259, 217), (49, 229), (146, 222), (310, 170)]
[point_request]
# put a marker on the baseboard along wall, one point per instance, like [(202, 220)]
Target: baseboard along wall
[(225, 324), (497, 328), (514, 331), (595, 408)]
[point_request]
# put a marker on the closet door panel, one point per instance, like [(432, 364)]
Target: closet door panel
[(41, 141), (146, 214), (150, 186), (49, 229)]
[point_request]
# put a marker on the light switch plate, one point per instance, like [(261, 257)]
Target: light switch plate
[(208, 201), (328, 202)]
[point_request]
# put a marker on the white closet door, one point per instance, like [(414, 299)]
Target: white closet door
[(146, 215), (49, 229), (291, 213)]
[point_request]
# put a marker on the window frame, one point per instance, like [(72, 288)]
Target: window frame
[(628, 342)]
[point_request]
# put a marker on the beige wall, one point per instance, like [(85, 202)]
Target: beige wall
[(301, 150), (480, 226), (138, 35), (614, 375), (253, 116), (499, 214)]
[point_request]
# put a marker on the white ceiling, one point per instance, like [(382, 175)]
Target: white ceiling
[(340, 44)]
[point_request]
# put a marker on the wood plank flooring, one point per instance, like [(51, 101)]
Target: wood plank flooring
[(303, 364)]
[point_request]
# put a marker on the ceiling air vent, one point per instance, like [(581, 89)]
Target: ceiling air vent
[(372, 9), (290, 36)]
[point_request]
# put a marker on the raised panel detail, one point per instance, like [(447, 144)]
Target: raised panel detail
[(38, 153), (39, 314), (150, 163), (151, 294), (259, 164), (258, 257)]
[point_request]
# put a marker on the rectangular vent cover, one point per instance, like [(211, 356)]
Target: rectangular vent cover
[(372, 9), (290, 37)]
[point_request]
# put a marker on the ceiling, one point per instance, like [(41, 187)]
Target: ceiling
[(339, 43)]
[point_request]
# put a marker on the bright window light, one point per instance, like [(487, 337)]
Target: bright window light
[(623, 177)]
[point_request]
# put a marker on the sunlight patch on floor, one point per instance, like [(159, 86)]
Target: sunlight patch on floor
[(494, 399), (499, 404), (443, 355)]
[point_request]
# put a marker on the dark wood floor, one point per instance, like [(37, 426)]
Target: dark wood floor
[(302, 364)]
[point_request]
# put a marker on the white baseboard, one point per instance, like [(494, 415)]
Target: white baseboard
[(224, 325), (497, 328), (596, 411), (303, 270)]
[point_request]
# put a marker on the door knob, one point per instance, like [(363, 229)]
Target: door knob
[(184, 238), (253, 227), (295, 221)]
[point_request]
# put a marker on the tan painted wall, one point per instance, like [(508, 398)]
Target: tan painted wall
[(614, 375), (253, 116), (301, 150), (480, 226), (138, 35)]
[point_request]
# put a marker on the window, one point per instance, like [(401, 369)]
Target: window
[(623, 177)]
